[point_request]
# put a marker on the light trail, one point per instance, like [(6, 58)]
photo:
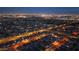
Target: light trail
[(39, 37), (13, 38), (57, 44)]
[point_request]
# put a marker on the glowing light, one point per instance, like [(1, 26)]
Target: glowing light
[(54, 35), (13, 38), (56, 43), (75, 33)]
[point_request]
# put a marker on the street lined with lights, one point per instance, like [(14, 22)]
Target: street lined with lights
[(13, 38)]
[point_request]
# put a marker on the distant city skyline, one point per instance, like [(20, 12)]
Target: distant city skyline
[(50, 10)]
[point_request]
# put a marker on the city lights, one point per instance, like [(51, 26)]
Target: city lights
[(39, 32)]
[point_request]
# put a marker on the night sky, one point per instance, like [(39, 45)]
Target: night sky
[(70, 10)]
